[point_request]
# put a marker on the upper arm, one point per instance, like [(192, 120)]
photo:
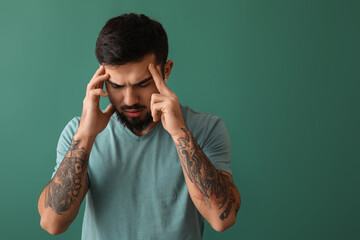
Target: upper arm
[(216, 145)]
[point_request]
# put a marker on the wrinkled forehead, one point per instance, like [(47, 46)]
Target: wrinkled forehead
[(132, 72)]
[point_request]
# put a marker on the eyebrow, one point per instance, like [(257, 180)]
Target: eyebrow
[(136, 84)]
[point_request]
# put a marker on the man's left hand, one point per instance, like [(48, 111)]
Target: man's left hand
[(165, 105)]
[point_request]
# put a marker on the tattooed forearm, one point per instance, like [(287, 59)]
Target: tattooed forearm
[(214, 186), (66, 185)]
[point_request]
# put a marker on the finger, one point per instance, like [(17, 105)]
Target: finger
[(99, 71), (159, 82), (156, 111), (156, 97), (98, 82), (109, 111), (97, 92), (154, 114)]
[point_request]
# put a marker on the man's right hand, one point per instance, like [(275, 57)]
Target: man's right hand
[(93, 120), (60, 201)]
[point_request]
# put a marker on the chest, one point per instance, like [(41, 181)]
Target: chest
[(130, 170)]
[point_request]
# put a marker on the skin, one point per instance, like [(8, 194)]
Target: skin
[(213, 192), (128, 76)]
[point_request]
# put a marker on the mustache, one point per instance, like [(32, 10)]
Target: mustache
[(135, 106)]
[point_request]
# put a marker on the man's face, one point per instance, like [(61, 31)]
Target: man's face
[(130, 87)]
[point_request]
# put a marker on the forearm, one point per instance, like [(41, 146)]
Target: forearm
[(213, 192), (60, 201)]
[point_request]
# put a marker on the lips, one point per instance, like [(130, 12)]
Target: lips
[(133, 113)]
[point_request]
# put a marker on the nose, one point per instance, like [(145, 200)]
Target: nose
[(130, 97)]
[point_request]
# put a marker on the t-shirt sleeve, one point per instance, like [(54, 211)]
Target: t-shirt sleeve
[(65, 142), (216, 145)]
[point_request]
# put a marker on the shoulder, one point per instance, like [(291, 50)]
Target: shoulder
[(71, 127), (67, 135), (202, 125), (195, 117)]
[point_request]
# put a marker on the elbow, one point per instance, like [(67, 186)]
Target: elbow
[(221, 226), (52, 227)]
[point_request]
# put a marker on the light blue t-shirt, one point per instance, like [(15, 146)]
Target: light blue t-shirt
[(137, 188)]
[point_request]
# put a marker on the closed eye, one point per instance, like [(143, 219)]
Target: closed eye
[(144, 85), (116, 86)]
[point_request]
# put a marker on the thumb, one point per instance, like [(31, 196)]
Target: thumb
[(109, 111)]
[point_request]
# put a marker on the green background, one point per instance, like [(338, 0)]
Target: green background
[(283, 75)]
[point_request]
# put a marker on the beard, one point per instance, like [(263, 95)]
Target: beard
[(133, 123)]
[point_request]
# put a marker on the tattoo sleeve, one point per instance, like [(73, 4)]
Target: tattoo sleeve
[(66, 185), (213, 186)]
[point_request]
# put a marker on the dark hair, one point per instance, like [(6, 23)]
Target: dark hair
[(128, 38)]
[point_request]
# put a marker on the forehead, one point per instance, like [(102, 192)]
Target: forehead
[(131, 72)]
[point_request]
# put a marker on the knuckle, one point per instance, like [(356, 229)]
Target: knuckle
[(92, 92), (172, 94), (173, 98), (153, 97)]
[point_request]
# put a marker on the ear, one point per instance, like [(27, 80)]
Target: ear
[(167, 68)]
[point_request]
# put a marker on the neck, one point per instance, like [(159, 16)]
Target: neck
[(143, 132)]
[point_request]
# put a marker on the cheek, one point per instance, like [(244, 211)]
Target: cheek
[(146, 95), (115, 98)]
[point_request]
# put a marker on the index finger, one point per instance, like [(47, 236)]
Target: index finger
[(159, 82), (98, 79), (99, 72)]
